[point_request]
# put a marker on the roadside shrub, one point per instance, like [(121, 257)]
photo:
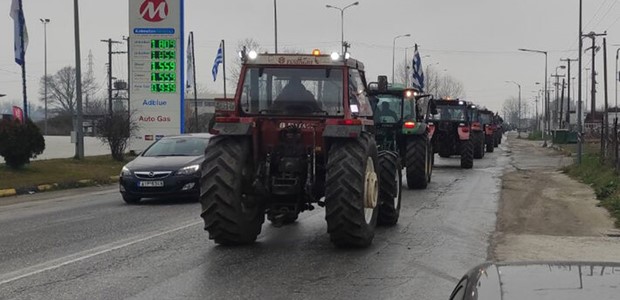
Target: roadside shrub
[(115, 131), (20, 142)]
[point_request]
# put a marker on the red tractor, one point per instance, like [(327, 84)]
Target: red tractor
[(299, 133), (490, 129)]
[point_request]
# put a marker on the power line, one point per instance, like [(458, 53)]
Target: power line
[(605, 15)]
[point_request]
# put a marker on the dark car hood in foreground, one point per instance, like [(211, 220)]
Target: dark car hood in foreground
[(544, 280), (163, 163)]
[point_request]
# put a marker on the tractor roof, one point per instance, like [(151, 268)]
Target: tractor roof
[(302, 60)]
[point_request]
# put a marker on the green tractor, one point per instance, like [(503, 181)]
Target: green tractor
[(402, 132)]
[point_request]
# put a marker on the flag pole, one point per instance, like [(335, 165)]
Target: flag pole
[(22, 23), (224, 65), (191, 34)]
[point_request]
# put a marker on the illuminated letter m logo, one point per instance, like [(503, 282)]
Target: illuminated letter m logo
[(154, 10)]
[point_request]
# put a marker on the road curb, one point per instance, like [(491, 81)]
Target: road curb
[(55, 186)]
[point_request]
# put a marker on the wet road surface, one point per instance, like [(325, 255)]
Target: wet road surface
[(88, 244)]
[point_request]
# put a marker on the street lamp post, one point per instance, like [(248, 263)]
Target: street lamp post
[(342, 21), (617, 79), (275, 24), (519, 110), (394, 51), (45, 22), (546, 101)]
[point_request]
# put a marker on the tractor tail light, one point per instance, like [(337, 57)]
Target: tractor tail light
[(227, 119), (463, 127), (409, 125), (350, 122)]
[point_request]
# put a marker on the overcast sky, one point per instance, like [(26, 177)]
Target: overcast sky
[(474, 40)]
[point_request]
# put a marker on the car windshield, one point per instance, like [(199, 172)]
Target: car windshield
[(190, 146), (449, 113), (293, 91)]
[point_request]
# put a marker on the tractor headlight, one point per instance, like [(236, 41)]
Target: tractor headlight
[(188, 170)]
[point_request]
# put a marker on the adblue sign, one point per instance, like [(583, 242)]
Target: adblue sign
[(156, 68)]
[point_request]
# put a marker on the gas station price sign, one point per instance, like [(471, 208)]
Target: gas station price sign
[(163, 66), (156, 69)]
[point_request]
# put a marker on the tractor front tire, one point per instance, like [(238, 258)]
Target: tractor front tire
[(417, 162), (352, 191), (231, 215), (390, 180), (467, 154)]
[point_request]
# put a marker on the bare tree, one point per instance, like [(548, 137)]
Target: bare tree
[(510, 109), (450, 87), (61, 90), (235, 68)]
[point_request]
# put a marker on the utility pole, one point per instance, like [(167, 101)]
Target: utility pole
[(560, 115), (568, 98), (580, 59), (79, 143), (593, 36), (606, 116), (557, 96), (110, 52)]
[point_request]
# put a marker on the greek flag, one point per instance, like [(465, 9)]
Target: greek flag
[(418, 73), (219, 58), (20, 42)]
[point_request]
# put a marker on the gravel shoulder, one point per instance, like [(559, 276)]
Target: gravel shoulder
[(545, 215)]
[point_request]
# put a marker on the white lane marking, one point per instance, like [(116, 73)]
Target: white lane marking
[(69, 259)]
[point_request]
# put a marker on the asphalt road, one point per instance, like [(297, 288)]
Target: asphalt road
[(87, 244)]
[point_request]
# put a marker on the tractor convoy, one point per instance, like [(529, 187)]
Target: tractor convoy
[(308, 130)]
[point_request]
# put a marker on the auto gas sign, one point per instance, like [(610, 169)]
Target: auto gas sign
[(156, 69)]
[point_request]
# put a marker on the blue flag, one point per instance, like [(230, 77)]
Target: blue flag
[(219, 58), (20, 41), (418, 73)]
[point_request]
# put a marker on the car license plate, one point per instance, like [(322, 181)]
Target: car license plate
[(151, 184)]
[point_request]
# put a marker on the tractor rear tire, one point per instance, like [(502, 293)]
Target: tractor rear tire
[(231, 215), (390, 180), (491, 145), (431, 163), (467, 154), (478, 140), (417, 159), (352, 191)]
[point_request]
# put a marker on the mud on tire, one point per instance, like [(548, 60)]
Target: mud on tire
[(390, 180), (417, 157), (349, 212), (467, 154), (231, 215)]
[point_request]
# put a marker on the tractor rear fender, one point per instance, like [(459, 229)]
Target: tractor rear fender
[(489, 130), (476, 126), (464, 132), (343, 131), (232, 126), (414, 128)]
